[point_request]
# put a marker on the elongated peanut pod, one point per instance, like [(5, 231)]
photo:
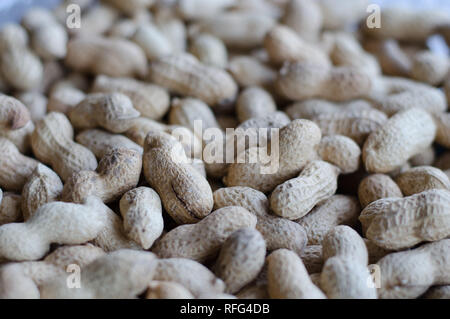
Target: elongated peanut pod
[(288, 278), (52, 143), (296, 197), (57, 222), (241, 259), (184, 192), (396, 223), (184, 74), (141, 210), (203, 240), (345, 273), (403, 136)]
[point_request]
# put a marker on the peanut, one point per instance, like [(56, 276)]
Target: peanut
[(118, 172), (10, 211), (410, 273), (184, 74), (209, 50), (345, 273), (401, 223), (337, 210), (403, 136), (300, 81), (152, 41), (283, 44), (297, 143), (15, 168), (241, 259), (167, 290), (254, 102), (422, 178), (101, 142), (52, 143), (248, 71), (277, 232), (141, 210), (43, 186), (340, 151), (190, 274), (288, 278), (203, 240), (112, 112), (100, 55), (185, 194), (56, 222), (121, 274), (377, 186), (296, 197)]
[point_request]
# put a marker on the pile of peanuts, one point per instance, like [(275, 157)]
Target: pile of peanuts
[(92, 176)]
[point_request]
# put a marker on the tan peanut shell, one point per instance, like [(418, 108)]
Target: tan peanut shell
[(192, 275), (15, 168), (209, 50), (62, 98), (357, 124), (300, 81), (304, 17), (340, 151), (81, 255), (296, 197), (52, 143), (141, 210), (13, 113), (443, 129), (403, 136), (167, 290), (407, 24), (10, 210), (288, 278), (184, 74), (398, 94), (111, 111), (430, 68), (110, 56), (56, 222), (238, 29), (313, 108), (425, 158), (150, 100), (336, 210), (249, 71), (36, 104), (401, 223), (241, 258), (345, 50), (101, 142), (297, 143), (42, 187), (312, 259), (408, 274), (152, 41), (345, 274), (277, 232), (186, 111), (121, 274), (284, 45), (185, 193), (203, 240), (375, 187), (118, 172), (422, 178), (254, 102)]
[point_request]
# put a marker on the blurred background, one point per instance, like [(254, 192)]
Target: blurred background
[(12, 10)]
